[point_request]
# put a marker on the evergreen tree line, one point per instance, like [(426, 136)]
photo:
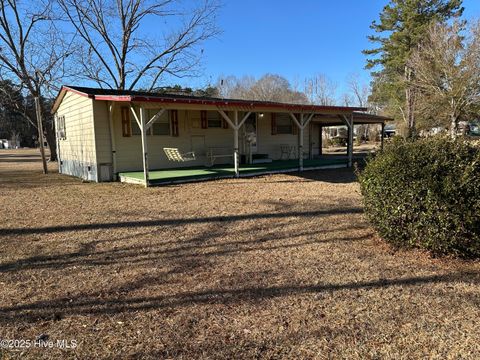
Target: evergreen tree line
[(17, 115), (426, 64)]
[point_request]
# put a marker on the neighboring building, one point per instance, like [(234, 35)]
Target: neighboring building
[(334, 132), (389, 130), (339, 134), (9, 144), (99, 132)]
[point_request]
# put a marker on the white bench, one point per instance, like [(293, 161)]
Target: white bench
[(214, 153), (173, 154)]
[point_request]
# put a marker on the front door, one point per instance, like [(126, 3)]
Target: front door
[(250, 133)]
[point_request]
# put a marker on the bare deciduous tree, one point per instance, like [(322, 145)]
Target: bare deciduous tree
[(320, 90), (126, 44), (273, 87), (360, 92), (32, 51), (447, 73), (269, 87), (235, 88), (347, 99)]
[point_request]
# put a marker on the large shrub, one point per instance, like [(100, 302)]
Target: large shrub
[(426, 194)]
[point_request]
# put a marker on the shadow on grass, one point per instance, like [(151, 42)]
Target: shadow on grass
[(179, 221), (92, 305), (19, 160), (171, 250), (20, 180), (335, 176), (20, 156)]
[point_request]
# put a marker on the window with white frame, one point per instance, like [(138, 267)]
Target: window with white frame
[(61, 131)]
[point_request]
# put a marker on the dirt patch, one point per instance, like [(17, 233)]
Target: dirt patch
[(282, 266)]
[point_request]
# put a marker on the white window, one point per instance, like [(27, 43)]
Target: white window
[(61, 131)]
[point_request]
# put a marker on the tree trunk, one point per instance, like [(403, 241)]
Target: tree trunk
[(49, 133), (410, 104), (52, 141)]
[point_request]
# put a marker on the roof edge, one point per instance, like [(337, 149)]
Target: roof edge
[(198, 101)]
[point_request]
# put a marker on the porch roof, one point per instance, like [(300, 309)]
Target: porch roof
[(198, 102), (359, 118)]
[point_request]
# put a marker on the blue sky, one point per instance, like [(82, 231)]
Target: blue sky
[(295, 39)]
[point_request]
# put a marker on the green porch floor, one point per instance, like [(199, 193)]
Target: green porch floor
[(224, 171)]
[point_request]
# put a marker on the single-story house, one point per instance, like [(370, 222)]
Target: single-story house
[(151, 138)]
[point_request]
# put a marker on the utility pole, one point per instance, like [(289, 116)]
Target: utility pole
[(38, 111)]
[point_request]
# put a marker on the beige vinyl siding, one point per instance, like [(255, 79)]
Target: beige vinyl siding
[(79, 144), (270, 144), (129, 149), (103, 143)]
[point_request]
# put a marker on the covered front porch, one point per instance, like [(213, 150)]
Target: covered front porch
[(200, 173), (303, 156), (201, 139)]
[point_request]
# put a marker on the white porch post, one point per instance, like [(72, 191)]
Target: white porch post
[(320, 141), (235, 126), (143, 129), (111, 108), (144, 124), (349, 123), (301, 126), (235, 143), (350, 142), (300, 144)]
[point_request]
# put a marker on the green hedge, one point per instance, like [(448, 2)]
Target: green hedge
[(425, 194)]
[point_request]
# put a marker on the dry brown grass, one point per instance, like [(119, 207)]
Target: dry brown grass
[(280, 266)]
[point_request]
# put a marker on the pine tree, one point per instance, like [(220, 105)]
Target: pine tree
[(401, 27)]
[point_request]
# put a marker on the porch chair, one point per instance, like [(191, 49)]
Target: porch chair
[(287, 151), (173, 154)]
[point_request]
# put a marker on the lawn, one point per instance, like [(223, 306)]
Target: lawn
[(281, 266)]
